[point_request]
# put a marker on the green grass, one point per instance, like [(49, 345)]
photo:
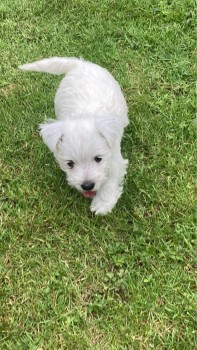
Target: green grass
[(71, 280)]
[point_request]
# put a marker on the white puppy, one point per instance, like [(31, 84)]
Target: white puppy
[(85, 139)]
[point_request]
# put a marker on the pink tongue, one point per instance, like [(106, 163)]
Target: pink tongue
[(89, 194)]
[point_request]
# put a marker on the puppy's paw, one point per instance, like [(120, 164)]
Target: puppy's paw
[(101, 207)]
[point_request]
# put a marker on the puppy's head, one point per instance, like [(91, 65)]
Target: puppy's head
[(83, 147)]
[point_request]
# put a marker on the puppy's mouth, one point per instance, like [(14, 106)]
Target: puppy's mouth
[(89, 194)]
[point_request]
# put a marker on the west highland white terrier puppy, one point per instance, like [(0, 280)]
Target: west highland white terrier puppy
[(86, 136)]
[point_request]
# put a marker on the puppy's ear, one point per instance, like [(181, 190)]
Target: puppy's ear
[(51, 132), (109, 127)]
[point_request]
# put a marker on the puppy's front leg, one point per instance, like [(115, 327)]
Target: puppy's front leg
[(110, 191)]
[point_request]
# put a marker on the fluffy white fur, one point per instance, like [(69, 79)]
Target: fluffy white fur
[(91, 115)]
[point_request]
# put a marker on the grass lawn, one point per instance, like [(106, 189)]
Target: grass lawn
[(72, 280)]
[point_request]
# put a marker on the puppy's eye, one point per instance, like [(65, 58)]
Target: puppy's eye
[(97, 159), (71, 164)]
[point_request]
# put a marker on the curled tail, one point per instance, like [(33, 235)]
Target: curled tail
[(54, 65)]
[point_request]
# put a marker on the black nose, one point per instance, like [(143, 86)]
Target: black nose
[(87, 186)]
